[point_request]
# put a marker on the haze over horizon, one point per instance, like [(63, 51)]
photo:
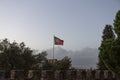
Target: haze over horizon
[(85, 59)]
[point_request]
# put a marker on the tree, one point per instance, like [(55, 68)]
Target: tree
[(41, 56), (41, 60), (107, 38), (63, 64), (6, 52), (116, 45), (14, 55), (110, 49), (117, 24), (17, 56)]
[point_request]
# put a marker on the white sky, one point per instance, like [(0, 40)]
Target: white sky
[(78, 22)]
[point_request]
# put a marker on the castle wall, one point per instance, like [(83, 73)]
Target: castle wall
[(79, 74)]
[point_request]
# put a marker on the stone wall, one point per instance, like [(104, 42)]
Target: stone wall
[(80, 74)]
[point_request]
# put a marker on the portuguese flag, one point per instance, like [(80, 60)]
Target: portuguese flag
[(58, 41)]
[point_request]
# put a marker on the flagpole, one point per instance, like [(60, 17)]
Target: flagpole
[(53, 49)]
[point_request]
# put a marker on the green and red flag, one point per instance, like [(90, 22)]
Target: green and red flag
[(58, 41)]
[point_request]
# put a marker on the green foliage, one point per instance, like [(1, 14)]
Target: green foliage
[(40, 57), (18, 56), (116, 45), (63, 64), (110, 48), (41, 60), (108, 33), (107, 39), (117, 24)]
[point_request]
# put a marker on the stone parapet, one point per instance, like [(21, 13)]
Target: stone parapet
[(77, 74)]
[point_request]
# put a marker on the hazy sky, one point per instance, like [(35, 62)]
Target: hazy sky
[(78, 22)]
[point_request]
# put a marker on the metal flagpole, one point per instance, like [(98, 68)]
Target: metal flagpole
[(53, 48)]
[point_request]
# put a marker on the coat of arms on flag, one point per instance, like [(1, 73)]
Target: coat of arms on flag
[(58, 41)]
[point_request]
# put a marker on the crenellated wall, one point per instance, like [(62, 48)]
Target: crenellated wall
[(79, 74)]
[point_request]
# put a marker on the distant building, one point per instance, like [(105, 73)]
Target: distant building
[(51, 61)]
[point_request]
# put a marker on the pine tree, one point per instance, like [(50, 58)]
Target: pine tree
[(117, 24), (116, 45), (110, 48), (107, 38)]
